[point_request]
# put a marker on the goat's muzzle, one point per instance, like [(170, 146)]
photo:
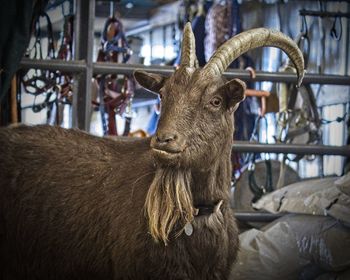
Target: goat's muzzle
[(167, 144)]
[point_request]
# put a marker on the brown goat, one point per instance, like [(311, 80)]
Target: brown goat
[(75, 206)]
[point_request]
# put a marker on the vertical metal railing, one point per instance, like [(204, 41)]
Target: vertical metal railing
[(83, 50)]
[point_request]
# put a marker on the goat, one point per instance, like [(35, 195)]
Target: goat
[(76, 206)]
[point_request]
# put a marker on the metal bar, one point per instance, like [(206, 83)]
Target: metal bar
[(257, 216), (60, 65), (151, 44), (104, 68), (244, 146), (84, 26), (107, 68), (290, 78), (323, 14)]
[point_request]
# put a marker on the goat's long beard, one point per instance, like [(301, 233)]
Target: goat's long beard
[(169, 202)]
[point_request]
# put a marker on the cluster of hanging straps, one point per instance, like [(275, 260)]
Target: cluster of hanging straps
[(292, 122), (298, 118), (57, 87), (259, 190), (115, 92), (41, 81)]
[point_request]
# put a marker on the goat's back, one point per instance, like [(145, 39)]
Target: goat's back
[(84, 186)]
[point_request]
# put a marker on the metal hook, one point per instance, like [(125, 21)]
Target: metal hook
[(303, 40), (322, 5), (334, 33), (304, 28), (254, 137), (266, 123)]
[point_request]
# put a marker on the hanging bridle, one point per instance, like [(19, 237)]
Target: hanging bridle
[(115, 94)]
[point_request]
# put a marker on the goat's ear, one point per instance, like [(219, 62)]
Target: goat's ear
[(152, 82), (233, 92)]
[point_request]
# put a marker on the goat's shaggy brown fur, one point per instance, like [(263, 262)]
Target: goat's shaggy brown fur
[(75, 206), (72, 207)]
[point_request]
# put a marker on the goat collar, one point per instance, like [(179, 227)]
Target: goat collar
[(201, 209)]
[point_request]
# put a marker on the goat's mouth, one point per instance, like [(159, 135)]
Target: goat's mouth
[(167, 152), (166, 157), (165, 148)]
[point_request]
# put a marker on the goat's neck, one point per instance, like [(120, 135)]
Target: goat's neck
[(210, 186)]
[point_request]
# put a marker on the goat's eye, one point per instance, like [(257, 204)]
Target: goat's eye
[(216, 101), (160, 96)]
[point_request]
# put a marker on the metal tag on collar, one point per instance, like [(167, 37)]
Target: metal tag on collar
[(188, 229)]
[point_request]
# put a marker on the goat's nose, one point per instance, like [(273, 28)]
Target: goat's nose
[(165, 137), (168, 141)]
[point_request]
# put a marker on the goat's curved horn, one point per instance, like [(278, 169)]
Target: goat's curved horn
[(251, 39), (188, 49)]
